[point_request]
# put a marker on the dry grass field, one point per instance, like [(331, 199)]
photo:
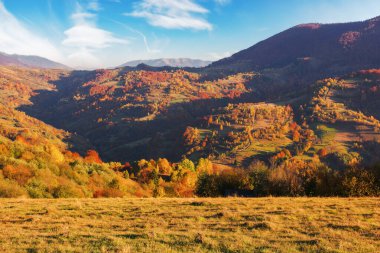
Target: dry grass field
[(191, 225)]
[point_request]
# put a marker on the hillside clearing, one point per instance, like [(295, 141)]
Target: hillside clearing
[(191, 225)]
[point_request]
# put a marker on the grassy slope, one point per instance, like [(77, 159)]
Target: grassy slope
[(191, 225)]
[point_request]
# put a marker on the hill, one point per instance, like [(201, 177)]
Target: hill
[(170, 62), (29, 61), (335, 122), (329, 48), (328, 130), (285, 129), (124, 112), (38, 160)]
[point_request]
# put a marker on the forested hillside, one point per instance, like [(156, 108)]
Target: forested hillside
[(325, 48), (293, 124)]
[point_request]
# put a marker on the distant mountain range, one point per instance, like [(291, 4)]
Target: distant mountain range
[(29, 61), (170, 62), (330, 48)]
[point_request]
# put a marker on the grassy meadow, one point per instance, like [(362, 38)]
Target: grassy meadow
[(190, 225)]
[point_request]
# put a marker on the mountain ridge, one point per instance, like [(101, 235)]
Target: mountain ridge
[(334, 47), (170, 62), (31, 61)]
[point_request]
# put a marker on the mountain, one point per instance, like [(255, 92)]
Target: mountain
[(333, 48), (294, 131), (29, 61), (171, 62)]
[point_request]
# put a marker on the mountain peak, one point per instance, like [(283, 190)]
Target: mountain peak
[(310, 26)]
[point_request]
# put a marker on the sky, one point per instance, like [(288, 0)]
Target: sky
[(88, 34)]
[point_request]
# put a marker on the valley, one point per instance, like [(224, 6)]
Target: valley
[(240, 126)]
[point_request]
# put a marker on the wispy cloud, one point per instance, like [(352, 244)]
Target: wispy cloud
[(142, 35), (222, 2), (86, 38), (172, 14), (16, 38)]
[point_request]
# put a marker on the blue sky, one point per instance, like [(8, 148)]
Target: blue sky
[(106, 33)]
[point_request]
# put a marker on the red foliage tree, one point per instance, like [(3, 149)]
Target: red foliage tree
[(93, 157), (322, 152)]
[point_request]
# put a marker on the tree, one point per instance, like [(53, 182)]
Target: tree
[(142, 164), (56, 155), (187, 164), (258, 172), (93, 157), (156, 182), (323, 152), (164, 166), (210, 121), (296, 136), (191, 136), (21, 174), (204, 166)]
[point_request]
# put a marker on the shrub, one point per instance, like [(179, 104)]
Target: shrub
[(114, 183), (207, 186), (76, 176), (67, 191), (258, 172), (326, 182), (359, 182), (293, 178), (10, 189), (126, 174), (159, 192), (108, 193), (224, 183), (21, 174), (342, 161), (285, 182), (37, 189), (16, 150)]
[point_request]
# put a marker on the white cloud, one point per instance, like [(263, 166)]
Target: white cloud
[(16, 38), (172, 14), (86, 38)]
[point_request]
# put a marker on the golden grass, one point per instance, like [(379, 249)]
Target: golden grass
[(190, 225)]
